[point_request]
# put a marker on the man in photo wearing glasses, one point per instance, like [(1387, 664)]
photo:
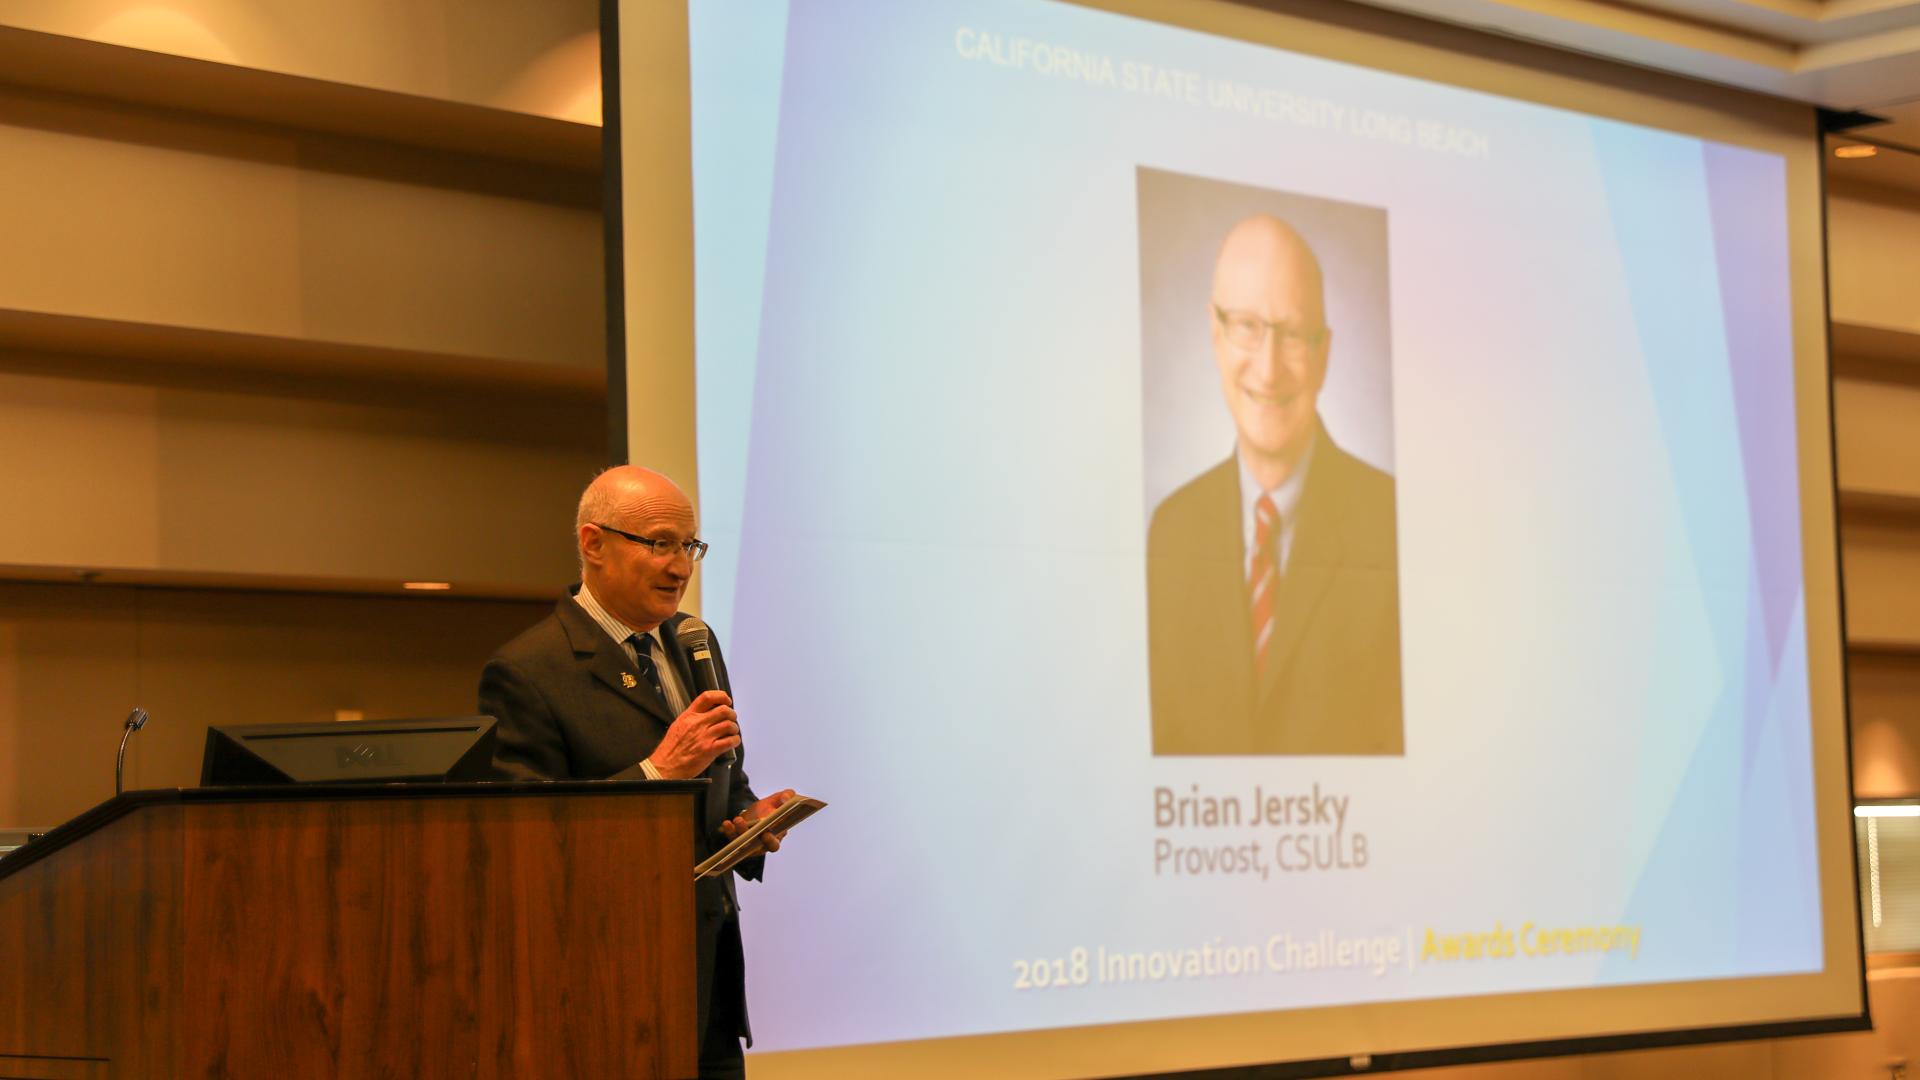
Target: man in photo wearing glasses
[(601, 688), (1272, 587)]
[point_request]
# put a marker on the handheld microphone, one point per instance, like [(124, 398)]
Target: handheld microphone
[(136, 720), (696, 640)]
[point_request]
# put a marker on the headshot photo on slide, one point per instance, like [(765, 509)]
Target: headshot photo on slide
[(1273, 599)]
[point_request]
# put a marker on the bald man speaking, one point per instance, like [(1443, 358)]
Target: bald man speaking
[(601, 688), (1272, 587)]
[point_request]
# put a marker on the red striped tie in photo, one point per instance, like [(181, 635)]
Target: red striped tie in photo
[(1263, 580)]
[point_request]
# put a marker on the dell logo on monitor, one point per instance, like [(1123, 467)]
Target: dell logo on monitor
[(361, 755)]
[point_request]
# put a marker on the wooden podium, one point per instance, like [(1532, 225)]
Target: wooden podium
[(422, 930)]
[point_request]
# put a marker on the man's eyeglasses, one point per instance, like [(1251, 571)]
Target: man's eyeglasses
[(1245, 330), (695, 549)]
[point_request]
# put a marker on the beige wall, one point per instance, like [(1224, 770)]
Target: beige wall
[(1878, 408), (116, 212), (75, 658), (224, 479), (1874, 260), (1874, 234), (322, 360), (532, 57), (275, 364)]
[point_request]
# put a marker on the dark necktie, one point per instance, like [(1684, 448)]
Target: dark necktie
[(643, 658)]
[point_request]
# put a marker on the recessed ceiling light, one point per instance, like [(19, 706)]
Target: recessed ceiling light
[(1855, 150), (427, 586)]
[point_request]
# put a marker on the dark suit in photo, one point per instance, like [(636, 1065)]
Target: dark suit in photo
[(1332, 686)]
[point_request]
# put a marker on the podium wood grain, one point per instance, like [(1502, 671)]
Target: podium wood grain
[(458, 936), (90, 947)]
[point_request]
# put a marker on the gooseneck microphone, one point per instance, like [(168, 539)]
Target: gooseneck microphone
[(696, 640), (136, 720)]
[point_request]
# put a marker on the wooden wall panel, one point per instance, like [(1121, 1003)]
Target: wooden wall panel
[(1885, 694), (147, 216), (176, 287), (490, 52), (1874, 249), (357, 481), (1877, 429), (73, 452), (1882, 566), (75, 659), (464, 491), (1873, 242)]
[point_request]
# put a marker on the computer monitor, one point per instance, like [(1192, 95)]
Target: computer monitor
[(350, 752)]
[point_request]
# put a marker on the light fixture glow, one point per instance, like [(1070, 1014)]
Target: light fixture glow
[(1887, 810), (427, 586), (1855, 150)]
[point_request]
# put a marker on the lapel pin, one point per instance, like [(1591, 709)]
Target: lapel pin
[(628, 680)]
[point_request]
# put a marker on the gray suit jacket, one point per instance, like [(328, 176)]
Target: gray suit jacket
[(1333, 684), (566, 713)]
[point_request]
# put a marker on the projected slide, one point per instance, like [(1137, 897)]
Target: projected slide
[(1232, 532)]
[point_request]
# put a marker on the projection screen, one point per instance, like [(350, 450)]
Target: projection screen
[(1283, 533)]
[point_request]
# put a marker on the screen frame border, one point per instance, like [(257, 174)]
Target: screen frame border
[(621, 389)]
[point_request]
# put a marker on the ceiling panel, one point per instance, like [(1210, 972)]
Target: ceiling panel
[(1841, 54)]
